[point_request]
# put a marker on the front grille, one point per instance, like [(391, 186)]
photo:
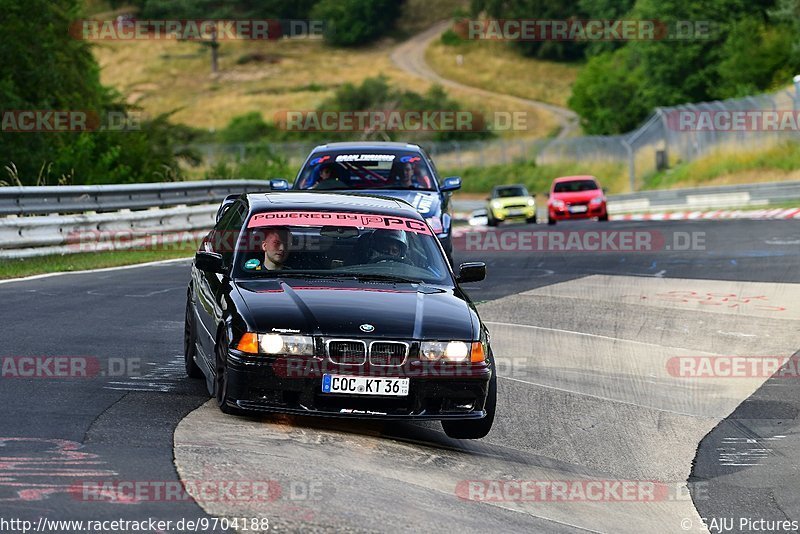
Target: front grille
[(387, 353), (516, 206), (347, 352)]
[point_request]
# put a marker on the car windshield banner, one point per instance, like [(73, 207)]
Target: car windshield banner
[(326, 218)]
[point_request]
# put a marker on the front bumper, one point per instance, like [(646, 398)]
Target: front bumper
[(502, 214), (565, 215), (294, 386)]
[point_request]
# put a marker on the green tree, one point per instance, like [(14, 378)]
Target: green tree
[(542, 10), (44, 68), (356, 22)]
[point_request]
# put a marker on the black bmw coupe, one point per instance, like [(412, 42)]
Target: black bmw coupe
[(337, 305)]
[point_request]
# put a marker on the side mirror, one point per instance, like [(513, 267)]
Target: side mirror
[(279, 184), (474, 271), (604, 190), (488, 199), (210, 262), (451, 183)]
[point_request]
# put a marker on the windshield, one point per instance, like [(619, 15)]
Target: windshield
[(511, 192), (366, 169), (346, 245), (575, 186)]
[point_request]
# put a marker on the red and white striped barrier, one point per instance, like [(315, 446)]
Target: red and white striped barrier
[(778, 213)]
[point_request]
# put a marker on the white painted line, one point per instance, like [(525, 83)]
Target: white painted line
[(600, 397), (598, 336), (104, 269)]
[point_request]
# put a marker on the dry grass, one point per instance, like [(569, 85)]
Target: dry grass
[(164, 76), (496, 67), (776, 162)]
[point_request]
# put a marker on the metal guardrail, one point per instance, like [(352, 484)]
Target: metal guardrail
[(94, 218), (36, 221), (32, 200), (724, 196)]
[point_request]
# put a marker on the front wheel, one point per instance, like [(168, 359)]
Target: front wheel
[(551, 221), (531, 220), (221, 379), (603, 218), (475, 428)]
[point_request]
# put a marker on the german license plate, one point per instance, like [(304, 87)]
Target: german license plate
[(578, 209), (515, 213), (365, 385)]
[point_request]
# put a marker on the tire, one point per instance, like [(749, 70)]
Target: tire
[(492, 221), (531, 220), (221, 378), (604, 218), (551, 221), (190, 344), (475, 428)]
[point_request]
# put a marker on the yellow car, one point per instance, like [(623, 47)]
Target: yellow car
[(511, 202)]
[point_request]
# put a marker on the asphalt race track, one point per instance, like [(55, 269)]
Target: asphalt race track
[(590, 347)]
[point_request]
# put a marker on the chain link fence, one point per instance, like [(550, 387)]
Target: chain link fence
[(687, 132), (669, 136)]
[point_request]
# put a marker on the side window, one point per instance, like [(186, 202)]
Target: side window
[(432, 165), (226, 232)]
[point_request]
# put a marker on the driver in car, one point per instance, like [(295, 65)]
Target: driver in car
[(388, 245), (275, 243)]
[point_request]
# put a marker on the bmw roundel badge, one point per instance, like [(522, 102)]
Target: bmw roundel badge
[(367, 328)]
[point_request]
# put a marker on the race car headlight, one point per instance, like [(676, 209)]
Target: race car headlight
[(496, 204), (451, 351), (557, 203), (597, 200), (531, 202), (276, 344), (436, 225)]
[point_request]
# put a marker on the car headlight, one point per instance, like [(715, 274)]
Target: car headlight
[(276, 344), (436, 225), (496, 204), (557, 203), (531, 202), (597, 200), (452, 351)]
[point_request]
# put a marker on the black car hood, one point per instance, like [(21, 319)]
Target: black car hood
[(339, 308)]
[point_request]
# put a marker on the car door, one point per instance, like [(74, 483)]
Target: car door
[(212, 287)]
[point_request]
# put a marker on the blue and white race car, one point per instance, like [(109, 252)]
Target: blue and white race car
[(398, 170)]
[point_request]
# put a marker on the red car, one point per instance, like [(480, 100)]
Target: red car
[(576, 197)]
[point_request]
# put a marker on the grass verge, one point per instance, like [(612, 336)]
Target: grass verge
[(537, 178), (89, 260), (732, 165)]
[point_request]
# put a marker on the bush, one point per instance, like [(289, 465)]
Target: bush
[(259, 163), (376, 94), (247, 128), (451, 38)]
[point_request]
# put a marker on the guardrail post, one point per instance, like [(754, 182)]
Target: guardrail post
[(631, 165)]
